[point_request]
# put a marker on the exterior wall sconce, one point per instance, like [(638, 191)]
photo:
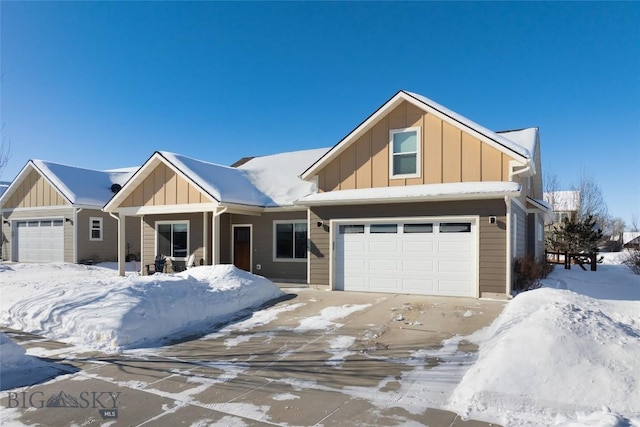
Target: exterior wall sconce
[(320, 223), (4, 221), (69, 220), (492, 219)]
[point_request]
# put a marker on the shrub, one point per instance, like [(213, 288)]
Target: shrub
[(528, 272), (633, 261)]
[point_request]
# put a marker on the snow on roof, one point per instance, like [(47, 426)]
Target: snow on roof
[(563, 201), (450, 191), (278, 175), (224, 183), (526, 138), (515, 146), (83, 186), (629, 236), (267, 181)]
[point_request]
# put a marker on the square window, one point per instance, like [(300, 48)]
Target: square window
[(172, 239), (290, 240), (405, 152)]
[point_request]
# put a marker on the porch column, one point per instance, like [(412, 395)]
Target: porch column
[(205, 232), (122, 245), (215, 240)]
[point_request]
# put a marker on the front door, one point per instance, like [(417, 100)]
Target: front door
[(242, 247)]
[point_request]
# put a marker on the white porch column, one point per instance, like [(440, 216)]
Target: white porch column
[(205, 232), (215, 240), (122, 245)]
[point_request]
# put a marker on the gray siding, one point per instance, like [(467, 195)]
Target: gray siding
[(67, 213), (149, 235), (492, 237), (107, 249), (520, 230), (262, 227)]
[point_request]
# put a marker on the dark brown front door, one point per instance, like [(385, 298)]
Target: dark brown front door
[(242, 247)]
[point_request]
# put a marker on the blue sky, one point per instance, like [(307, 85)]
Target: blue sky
[(104, 84)]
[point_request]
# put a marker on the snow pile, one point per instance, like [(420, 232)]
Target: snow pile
[(92, 307), (555, 356)]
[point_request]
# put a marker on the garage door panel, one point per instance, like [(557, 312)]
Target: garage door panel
[(413, 259), (39, 240)]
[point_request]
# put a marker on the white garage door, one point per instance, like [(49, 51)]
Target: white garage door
[(40, 240), (426, 257)]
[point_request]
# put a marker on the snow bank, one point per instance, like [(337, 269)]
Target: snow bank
[(16, 368), (92, 307), (558, 357)]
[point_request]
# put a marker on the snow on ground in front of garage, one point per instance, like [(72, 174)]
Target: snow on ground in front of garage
[(566, 354), (92, 307)]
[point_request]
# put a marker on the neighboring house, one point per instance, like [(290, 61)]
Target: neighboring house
[(3, 186), (53, 213), (416, 199), (563, 204), (631, 240)]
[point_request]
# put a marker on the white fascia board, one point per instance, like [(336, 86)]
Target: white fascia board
[(393, 200), (40, 208), (167, 209)]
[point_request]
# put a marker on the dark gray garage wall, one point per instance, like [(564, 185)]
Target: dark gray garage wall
[(492, 264)]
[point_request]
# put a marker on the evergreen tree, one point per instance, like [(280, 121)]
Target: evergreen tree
[(575, 235)]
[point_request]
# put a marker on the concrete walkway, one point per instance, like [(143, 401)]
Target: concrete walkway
[(297, 362)]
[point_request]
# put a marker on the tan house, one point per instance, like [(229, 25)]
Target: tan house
[(53, 213), (416, 199)]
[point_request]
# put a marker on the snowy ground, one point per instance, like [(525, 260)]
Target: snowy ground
[(567, 354)]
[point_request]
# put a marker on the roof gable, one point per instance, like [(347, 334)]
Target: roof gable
[(494, 139)]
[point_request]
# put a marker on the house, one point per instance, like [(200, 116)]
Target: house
[(564, 205), (416, 199), (631, 240), (53, 213)]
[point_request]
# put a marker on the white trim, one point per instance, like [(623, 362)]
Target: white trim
[(233, 240), (205, 232), (418, 152), (40, 208), (309, 245), (177, 221), (508, 260), (333, 230), (167, 209), (100, 228), (273, 247)]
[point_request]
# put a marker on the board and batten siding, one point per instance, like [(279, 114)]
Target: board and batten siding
[(262, 243), (149, 235), (448, 154), (492, 237), (35, 192), (164, 187), (53, 213)]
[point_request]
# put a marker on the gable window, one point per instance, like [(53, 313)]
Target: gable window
[(290, 240), (95, 228), (172, 239), (404, 151)]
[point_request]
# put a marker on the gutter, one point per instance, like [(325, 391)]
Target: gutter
[(121, 262), (508, 261), (75, 234)]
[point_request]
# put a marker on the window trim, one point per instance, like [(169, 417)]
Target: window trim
[(418, 153), (275, 240), (155, 249), (100, 229)]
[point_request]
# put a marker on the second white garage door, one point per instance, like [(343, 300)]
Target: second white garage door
[(425, 257), (40, 240)]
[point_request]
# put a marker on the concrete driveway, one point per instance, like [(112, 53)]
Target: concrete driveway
[(313, 358)]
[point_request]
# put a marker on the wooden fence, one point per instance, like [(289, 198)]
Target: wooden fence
[(567, 259)]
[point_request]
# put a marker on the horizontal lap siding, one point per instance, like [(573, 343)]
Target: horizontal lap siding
[(262, 228), (492, 237)]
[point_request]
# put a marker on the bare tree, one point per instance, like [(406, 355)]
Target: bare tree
[(5, 150), (634, 223), (591, 201)]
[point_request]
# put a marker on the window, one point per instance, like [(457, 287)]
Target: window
[(383, 228), (404, 152), (95, 228), (539, 231), (418, 228), (172, 239), (455, 227), (290, 240), (351, 229)]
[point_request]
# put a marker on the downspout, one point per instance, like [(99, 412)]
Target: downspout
[(75, 234), (509, 287)]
